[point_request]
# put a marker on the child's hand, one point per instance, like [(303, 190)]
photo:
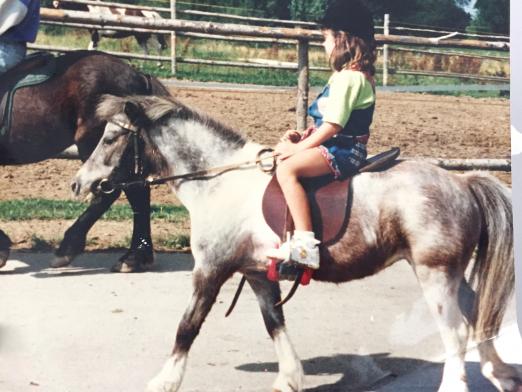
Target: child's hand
[(285, 149), (292, 136)]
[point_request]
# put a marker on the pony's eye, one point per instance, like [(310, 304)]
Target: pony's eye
[(112, 138)]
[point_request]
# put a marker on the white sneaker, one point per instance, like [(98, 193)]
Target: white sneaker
[(301, 249), (304, 249)]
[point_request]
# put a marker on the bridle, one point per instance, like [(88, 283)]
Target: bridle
[(107, 186)]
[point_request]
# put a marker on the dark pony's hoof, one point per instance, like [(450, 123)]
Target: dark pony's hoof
[(135, 260), (5, 245), (4, 255), (61, 261)]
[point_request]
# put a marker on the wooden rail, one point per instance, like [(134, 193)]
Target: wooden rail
[(448, 164), (302, 36), (227, 28)]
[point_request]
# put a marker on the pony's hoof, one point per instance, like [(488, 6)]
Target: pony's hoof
[(61, 261), (125, 268), (134, 261), (4, 255)]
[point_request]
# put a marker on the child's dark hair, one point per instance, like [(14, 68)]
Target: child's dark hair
[(353, 52), (352, 25)]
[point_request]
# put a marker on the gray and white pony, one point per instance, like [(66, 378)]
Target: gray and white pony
[(414, 211)]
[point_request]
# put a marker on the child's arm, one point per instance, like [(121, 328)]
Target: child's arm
[(323, 133)]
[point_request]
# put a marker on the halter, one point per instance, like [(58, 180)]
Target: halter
[(106, 186), (136, 133)]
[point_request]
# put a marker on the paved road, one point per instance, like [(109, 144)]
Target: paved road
[(85, 329)]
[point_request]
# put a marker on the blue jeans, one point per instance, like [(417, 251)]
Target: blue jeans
[(11, 53)]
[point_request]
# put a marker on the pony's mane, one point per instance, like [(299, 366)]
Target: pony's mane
[(158, 109)]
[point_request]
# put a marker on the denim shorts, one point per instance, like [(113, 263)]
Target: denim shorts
[(11, 53), (344, 158)]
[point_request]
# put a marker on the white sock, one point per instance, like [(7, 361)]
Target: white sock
[(304, 235)]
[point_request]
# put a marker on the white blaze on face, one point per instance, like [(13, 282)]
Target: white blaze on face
[(103, 160)]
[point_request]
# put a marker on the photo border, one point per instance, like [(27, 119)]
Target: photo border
[(516, 144)]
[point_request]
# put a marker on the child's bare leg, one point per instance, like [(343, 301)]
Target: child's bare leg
[(307, 163)]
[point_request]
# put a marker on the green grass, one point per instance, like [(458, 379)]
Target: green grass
[(45, 209)]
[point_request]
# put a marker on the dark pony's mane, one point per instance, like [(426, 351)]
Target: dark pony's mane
[(160, 109)]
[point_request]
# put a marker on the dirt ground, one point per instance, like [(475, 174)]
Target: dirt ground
[(422, 125)]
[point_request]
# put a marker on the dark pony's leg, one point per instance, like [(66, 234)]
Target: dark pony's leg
[(162, 41), (206, 285), (140, 255), (143, 39), (290, 376), (95, 38), (5, 244), (73, 242)]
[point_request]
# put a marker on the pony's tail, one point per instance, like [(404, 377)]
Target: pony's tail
[(492, 275)]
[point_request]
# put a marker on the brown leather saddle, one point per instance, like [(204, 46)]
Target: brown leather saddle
[(329, 201), (34, 69)]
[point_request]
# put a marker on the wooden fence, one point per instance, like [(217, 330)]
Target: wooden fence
[(303, 38), (387, 27), (503, 165)]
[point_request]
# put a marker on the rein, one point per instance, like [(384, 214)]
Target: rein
[(106, 186)]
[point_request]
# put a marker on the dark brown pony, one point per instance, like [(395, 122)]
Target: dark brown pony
[(52, 116)]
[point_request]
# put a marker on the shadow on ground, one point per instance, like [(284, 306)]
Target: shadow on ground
[(377, 372), (89, 263)]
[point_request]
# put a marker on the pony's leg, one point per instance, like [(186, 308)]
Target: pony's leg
[(290, 376), (162, 42), (442, 295), (5, 245), (143, 41), (73, 242), (503, 376), (206, 285), (95, 38), (140, 255)]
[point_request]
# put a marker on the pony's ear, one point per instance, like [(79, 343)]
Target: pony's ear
[(135, 113)]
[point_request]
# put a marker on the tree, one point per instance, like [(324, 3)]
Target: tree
[(491, 16), (436, 13), (311, 10)]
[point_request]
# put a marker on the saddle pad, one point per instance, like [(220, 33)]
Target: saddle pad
[(329, 201), (33, 70)]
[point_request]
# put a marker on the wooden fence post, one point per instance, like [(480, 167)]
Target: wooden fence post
[(385, 51), (303, 70), (173, 40)]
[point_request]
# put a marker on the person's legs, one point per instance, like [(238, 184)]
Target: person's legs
[(302, 248), (307, 163), (11, 53)]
